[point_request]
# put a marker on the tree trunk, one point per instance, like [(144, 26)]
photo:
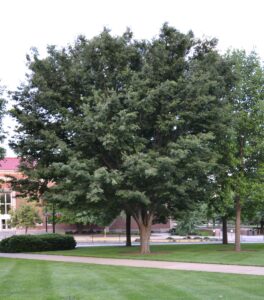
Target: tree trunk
[(128, 230), (262, 226), (144, 221), (46, 223), (79, 227), (53, 218), (53, 227), (238, 222), (46, 218), (26, 230), (145, 232), (224, 229), (237, 198)]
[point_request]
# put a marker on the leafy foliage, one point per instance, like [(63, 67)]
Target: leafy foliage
[(246, 147), (82, 217), (188, 221), (125, 124), (24, 216), (248, 119), (239, 175)]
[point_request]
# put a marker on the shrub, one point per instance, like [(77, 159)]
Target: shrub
[(58, 241), (21, 243), (31, 243)]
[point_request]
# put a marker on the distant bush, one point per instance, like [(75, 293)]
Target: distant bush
[(207, 232), (31, 243), (182, 231)]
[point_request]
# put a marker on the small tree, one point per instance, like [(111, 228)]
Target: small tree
[(24, 216)]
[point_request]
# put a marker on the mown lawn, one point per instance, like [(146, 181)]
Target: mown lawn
[(251, 254), (41, 280)]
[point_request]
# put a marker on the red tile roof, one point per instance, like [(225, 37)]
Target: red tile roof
[(9, 164)]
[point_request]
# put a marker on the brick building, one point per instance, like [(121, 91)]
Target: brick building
[(8, 167)]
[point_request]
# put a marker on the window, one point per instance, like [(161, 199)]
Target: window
[(5, 224), (5, 203)]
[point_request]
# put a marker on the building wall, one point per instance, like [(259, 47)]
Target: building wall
[(5, 188), (119, 225)]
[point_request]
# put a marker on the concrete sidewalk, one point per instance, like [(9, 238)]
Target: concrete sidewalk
[(217, 268)]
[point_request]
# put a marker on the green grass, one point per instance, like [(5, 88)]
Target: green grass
[(41, 280), (251, 254)]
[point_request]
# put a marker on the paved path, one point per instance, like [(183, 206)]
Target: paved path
[(232, 269)]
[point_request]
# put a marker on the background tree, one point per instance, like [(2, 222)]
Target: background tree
[(25, 216), (188, 221), (32, 188), (254, 206), (83, 218), (246, 146), (221, 204), (125, 124)]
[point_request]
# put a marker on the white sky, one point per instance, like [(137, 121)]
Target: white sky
[(27, 23)]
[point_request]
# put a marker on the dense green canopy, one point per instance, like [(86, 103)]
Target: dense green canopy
[(125, 124)]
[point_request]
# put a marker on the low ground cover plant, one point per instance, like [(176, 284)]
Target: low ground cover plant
[(31, 243)]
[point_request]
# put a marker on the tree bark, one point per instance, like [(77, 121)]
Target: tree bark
[(145, 232), (53, 218), (128, 230), (46, 223), (79, 227), (144, 221), (46, 219), (238, 223), (262, 226), (237, 198), (224, 229)]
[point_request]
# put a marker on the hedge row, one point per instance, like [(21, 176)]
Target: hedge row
[(31, 243)]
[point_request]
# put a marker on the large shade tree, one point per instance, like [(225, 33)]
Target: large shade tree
[(125, 124)]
